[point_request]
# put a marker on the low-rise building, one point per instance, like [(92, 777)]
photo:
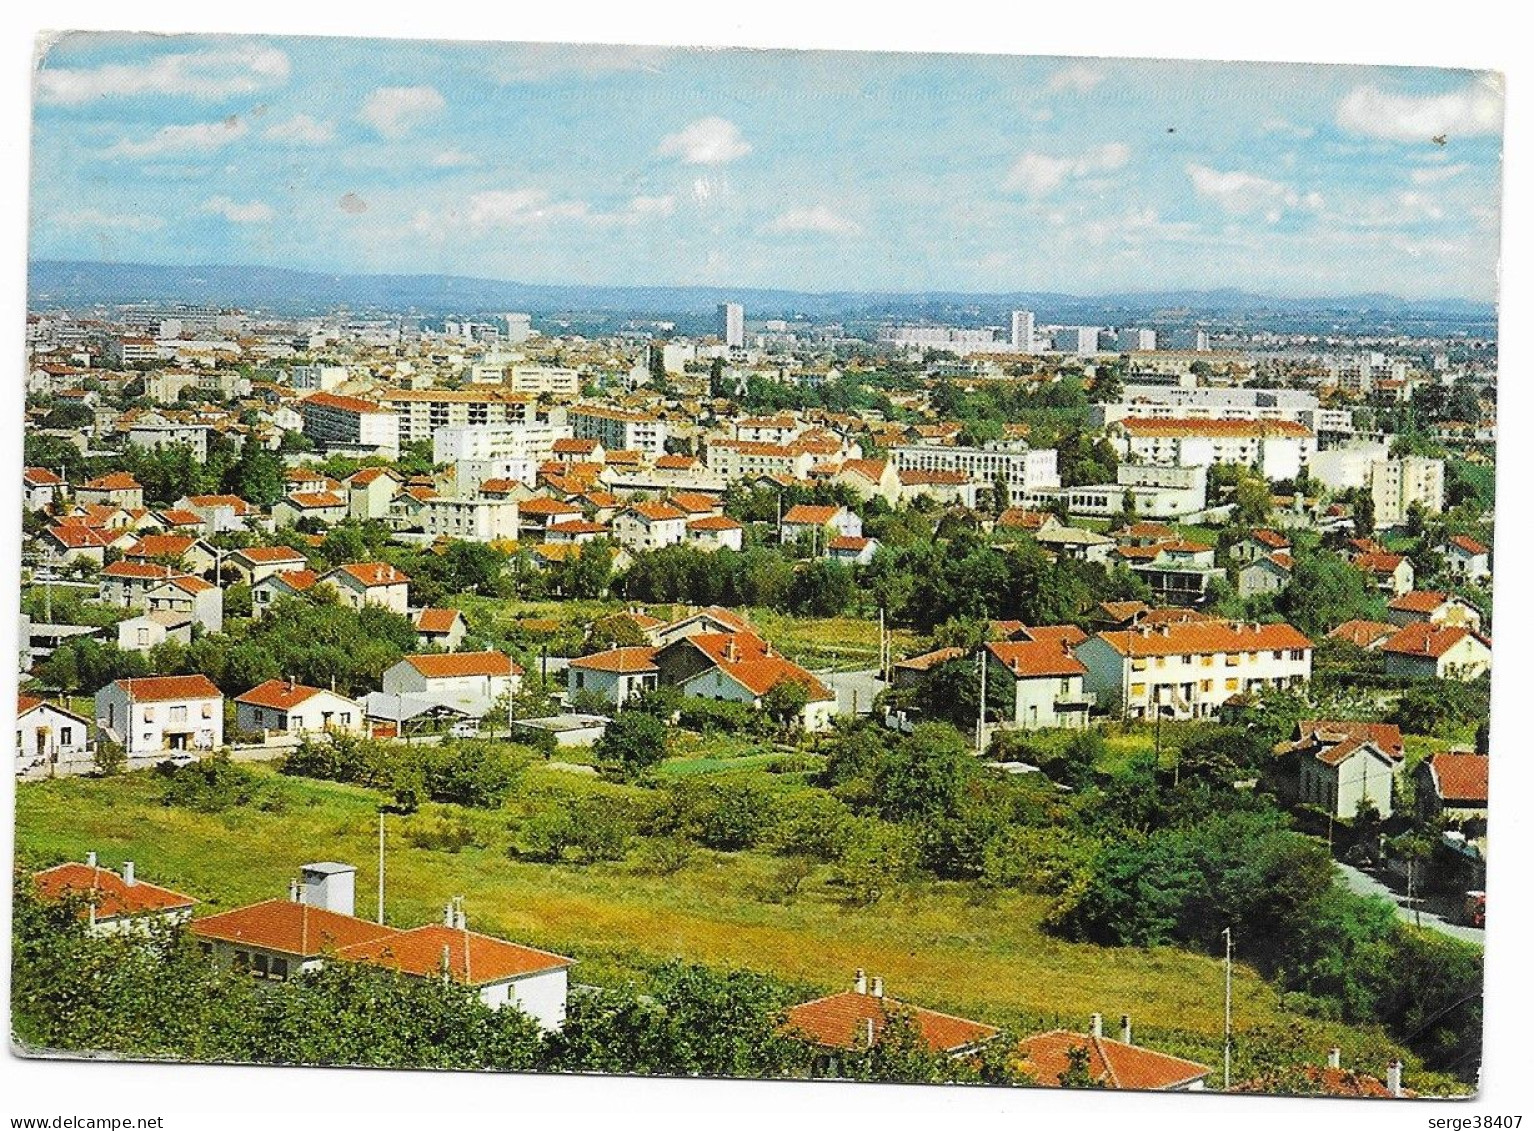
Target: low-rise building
[(115, 903), (371, 583), (51, 740), (1046, 680), (472, 682), (618, 674), (440, 628), (155, 715), (1052, 1058), (285, 707), (1437, 651)]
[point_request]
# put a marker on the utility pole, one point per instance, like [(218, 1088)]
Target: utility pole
[(980, 715), (380, 867), (1227, 1008)]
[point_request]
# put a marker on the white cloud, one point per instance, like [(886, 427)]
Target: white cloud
[(1242, 193), (251, 212), (213, 74), (504, 207), (1436, 174), (817, 219), (301, 129), (1078, 77), (653, 205), (201, 137), (708, 141), (396, 110), (1475, 108), (1038, 174), (454, 158), (1283, 127), (117, 221)]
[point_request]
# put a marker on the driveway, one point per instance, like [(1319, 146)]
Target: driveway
[(853, 687), (1364, 884)]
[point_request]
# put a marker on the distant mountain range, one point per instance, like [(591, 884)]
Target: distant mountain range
[(80, 284)]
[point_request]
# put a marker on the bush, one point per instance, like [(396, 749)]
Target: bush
[(211, 785), (877, 858), (441, 833), (633, 742), (729, 813)]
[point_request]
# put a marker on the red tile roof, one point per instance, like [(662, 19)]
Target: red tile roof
[(1111, 1064), (278, 694), (343, 404), (715, 522), (1419, 601), (619, 661), (1424, 639), (1363, 633), (656, 512), (290, 928), (448, 665), (1460, 776), (139, 571), (1197, 426), (1387, 736), (371, 574), (109, 892), (1027, 659), (436, 621), (929, 660), (1204, 638), (161, 546), (316, 500), (160, 688), (841, 1021), (268, 555), (1469, 545), (804, 514), (41, 477), (472, 959), (117, 481)]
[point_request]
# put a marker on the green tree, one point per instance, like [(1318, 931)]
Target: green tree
[(633, 742)]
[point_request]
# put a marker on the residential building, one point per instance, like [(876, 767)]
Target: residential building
[(716, 532), (1437, 651), (1023, 332), (804, 522), (619, 430), (557, 380), (618, 674), (732, 324), (473, 682), (740, 667), (1265, 576), (324, 507), (1341, 767), (1432, 606), (274, 587), (440, 628), (201, 602), (1467, 559), (1023, 468), (115, 903), (852, 549), (157, 435), (1189, 669), (51, 740), (1046, 680), (470, 520), (371, 583), (155, 715), (649, 526), (422, 411), (1051, 1059), (42, 488), (119, 489), (1397, 484), (369, 493), (1453, 786), (1277, 449), (256, 563), (318, 378), (350, 424), (286, 707)]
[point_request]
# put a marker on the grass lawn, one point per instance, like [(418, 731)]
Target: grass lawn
[(840, 643), (945, 945)]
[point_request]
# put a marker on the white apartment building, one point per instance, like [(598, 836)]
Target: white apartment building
[(350, 424), (949, 338), (1023, 331), (156, 436), (1398, 483), (557, 380), (470, 519), (1136, 341), (422, 411), (1154, 492), (732, 324), (1078, 340), (1025, 469), (1277, 449), (1184, 402), (318, 378), (747, 459), (519, 327), (619, 430), (156, 715), (1189, 670)]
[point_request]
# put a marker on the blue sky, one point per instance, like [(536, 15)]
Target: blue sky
[(806, 170)]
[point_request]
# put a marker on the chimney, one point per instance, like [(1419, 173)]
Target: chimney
[(1097, 1024), (447, 961), (1334, 1058), (878, 987), (90, 859), (292, 891), (460, 920), (1393, 1078), (1126, 1033), (128, 873), (868, 1032), (447, 915), (860, 982)]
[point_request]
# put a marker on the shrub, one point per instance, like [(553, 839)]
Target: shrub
[(210, 785)]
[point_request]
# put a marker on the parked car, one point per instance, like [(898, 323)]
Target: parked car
[(1475, 908), (469, 728)]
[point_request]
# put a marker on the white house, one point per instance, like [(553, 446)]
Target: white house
[(51, 740), (617, 674), (470, 681), (851, 549), (440, 628), (291, 708), (256, 563), (147, 631), (154, 715), (191, 597), (649, 526), (477, 519), (1342, 766), (1046, 682), (821, 523), (1435, 651), (716, 532), (741, 667), (371, 583), (1467, 559), (41, 488)]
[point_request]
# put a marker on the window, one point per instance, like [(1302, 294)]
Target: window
[(207, 710), (1137, 665), (1297, 654), (178, 714), (1137, 689), (242, 960), (1206, 685), (1278, 654), (66, 735), (279, 969), (260, 966), (149, 714), (1232, 684)]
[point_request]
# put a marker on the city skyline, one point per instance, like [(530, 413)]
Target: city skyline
[(816, 171)]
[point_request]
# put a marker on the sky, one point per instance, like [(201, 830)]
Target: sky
[(812, 171)]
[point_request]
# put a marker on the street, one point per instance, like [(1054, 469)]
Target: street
[(1365, 884)]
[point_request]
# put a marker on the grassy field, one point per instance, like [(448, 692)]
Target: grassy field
[(941, 944)]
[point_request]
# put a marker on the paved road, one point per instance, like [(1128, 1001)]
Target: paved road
[(1365, 884), (859, 685)]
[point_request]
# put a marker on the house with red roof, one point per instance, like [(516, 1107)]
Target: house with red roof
[(740, 667), (1189, 668), (115, 903), (1453, 785), (181, 550), (650, 526), (856, 1020), (41, 488), (716, 532), (1437, 651), (820, 523), (370, 491), (1389, 573), (283, 707), (1367, 634), (152, 716), (200, 602), (118, 490), (869, 478), (472, 682), (324, 507), (1341, 766), (1051, 1059), (1467, 559), (371, 583), (440, 628), (617, 674), (256, 563), (275, 586), (1432, 606), (51, 740), (1046, 681)]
